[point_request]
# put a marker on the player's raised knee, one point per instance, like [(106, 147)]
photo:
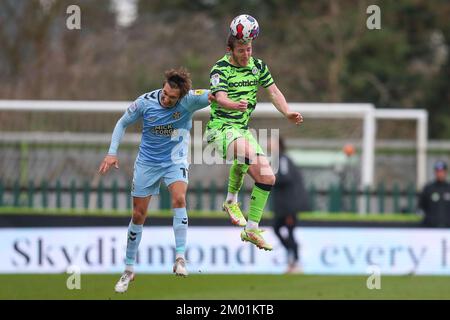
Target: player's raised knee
[(271, 180), (267, 179)]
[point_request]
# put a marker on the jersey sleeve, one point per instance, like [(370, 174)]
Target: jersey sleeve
[(218, 79), (133, 113), (196, 100), (265, 78)]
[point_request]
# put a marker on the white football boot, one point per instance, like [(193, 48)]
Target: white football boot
[(179, 267), (124, 281)]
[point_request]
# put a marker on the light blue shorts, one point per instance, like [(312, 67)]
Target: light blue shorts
[(147, 178)]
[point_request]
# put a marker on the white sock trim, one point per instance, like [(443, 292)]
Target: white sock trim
[(129, 267), (252, 225), (179, 255), (232, 197)]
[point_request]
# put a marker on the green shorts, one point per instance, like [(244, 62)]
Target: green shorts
[(221, 139)]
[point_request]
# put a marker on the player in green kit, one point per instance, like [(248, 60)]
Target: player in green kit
[(234, 81)]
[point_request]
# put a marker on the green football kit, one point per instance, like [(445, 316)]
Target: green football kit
[(240, 83)]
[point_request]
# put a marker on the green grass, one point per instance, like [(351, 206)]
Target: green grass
[(306, 216), (226, 287)]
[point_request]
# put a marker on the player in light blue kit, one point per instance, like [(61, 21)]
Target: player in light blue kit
[(167, 118)]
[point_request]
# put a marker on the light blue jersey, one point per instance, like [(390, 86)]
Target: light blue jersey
[(165, 131)]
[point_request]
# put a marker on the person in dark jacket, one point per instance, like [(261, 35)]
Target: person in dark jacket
[(289, 197), (435, 199)]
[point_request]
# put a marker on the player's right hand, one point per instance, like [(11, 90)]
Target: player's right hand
[(211, 98), (241, 105), (107, 163)]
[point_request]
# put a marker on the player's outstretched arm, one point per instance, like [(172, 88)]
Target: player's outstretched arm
[(111, 158), (130, 116), (198, 99), (225, 102), (107, 163), (279, 101)]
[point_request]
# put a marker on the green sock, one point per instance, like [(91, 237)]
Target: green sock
[(236, 178), (258, 200)]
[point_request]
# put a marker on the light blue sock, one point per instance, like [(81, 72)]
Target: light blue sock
[(180, 226), (134, 238)]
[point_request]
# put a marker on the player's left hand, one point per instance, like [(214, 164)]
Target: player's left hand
[(295, 117)]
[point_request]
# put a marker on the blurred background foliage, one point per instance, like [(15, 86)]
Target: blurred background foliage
[(318, 51)]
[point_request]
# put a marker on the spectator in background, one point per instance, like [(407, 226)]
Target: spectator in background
[(289, 198), (435, 199)]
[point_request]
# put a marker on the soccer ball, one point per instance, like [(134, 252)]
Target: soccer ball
[(244, 28)]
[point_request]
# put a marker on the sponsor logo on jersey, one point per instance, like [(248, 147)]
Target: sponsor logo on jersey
[(243, 83), (163, 130)]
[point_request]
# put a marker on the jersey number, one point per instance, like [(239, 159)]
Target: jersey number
[(184, 172)]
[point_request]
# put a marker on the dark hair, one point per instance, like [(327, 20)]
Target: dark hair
[(179, 79), (440, 165), (232, 40)]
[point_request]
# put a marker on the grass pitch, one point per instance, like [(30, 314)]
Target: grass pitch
[(225, 287), (304, 216)]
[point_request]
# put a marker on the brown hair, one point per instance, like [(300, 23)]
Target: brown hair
[(179, 79), (232, 40)]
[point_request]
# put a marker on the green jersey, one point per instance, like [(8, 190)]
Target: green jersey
[(240, 83)]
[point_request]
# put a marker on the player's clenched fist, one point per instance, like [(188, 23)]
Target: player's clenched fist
[(295, 117)]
